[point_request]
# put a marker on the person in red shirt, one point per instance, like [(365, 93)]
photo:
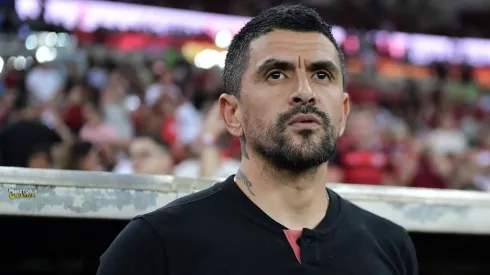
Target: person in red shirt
[(361, 157), (73, 111)]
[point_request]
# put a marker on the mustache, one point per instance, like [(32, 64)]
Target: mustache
[(285, 117)]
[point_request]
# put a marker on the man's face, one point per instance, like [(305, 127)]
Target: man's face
[(148, 157), (292, 107), (39, 160)]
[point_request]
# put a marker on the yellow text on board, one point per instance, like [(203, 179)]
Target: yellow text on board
[(22, 193)]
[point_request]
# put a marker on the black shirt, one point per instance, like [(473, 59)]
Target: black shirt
[(219, 231)]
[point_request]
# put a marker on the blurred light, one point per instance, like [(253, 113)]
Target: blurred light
[(24, 30), (397, 48), (381, 41), (191, 49), (73, 41), (20, 63), (223, 39), (45, 54), (63, 39), (352, 44), (41, 39), (370, 37), (222, 59), (206, 59), (51, 39), (10, 62), (132, 102), (31, 42), (52, 53), (1, 64), (29, 61), (483, 158)]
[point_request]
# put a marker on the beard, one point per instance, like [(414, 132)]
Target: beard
[(275, 145)]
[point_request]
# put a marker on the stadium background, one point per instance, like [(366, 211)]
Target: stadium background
[(113, 86)]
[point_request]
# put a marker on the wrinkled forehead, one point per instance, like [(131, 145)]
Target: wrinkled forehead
[(297, 47)]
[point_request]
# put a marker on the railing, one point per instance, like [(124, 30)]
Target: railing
[(34, 192)]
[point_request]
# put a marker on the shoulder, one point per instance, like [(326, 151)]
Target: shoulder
[(367, 219), (390, 237), (188, 211), (148, 238), (193, 200), (135, 246), (381, 229)]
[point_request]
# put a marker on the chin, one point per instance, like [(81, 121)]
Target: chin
[(306, 136)]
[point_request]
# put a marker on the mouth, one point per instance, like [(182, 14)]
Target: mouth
[(305, 120)]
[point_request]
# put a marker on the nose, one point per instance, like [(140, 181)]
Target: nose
[(303, 94)]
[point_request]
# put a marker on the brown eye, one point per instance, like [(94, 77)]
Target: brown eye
[(321, 75), (276, 76)]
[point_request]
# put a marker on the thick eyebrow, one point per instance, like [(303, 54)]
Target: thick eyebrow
[(271, 64), (326, 65), (283, 65)]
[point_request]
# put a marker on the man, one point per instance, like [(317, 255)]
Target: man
[(284, 78), (150, 155), (40, 157)]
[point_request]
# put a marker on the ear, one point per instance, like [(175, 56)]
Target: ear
[(229, 110), (345, 112)]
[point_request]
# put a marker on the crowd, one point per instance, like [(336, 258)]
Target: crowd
[(163, 119)]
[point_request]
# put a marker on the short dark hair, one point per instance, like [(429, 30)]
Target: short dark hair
[(75, 153), (41, 149), (297, 18)]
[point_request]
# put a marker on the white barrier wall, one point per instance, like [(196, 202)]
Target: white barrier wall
[(34, 192)]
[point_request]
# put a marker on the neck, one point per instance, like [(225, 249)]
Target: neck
[(296, 200)]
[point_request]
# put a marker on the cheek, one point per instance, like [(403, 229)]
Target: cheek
[(256, 119), (261, 109), (333, 106)]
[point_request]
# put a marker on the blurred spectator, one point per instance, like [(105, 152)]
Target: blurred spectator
[(188, 123), (464, 90), (19, 139), (81, 156), (150, 155), (44, 84), (115, 110), (95, 130), (427, 171), (139, 112), (480, 158), (448, 140), (218, 153), (96, 74), (163, 84), (73, 110), (40, 157), (362, 155)]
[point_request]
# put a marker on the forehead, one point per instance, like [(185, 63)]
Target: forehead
[(293, 46), (141, 143)]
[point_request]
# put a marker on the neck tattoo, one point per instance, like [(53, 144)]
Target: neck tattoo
[(241, 176)]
